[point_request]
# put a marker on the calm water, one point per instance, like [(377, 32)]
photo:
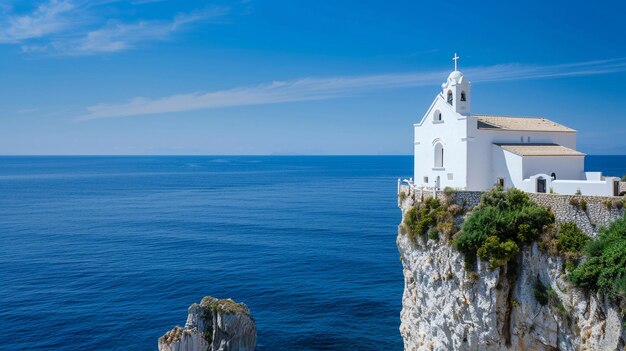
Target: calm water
[(106, 253)]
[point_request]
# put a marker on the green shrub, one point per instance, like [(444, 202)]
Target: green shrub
[(579, 203), (604, 269), (571, 241), (431, 218), (578, 192), (449, 192), (571, 238), (502, 222), (422, 217), (624, 178), (455, 209)]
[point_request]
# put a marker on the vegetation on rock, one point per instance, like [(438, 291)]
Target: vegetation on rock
[(547, 296), (578, 203), (502, 222), (568, 242), (431, 218), (226, 306), (604, 270)]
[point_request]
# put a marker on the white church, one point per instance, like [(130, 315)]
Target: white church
[(456, 148)]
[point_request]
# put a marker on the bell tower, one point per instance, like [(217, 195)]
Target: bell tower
[(456, 90)]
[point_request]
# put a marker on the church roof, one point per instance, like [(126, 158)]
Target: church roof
[(540, 150), (529, 124)]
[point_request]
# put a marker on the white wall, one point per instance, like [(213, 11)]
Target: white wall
[(450, 132), (572, 187), (480, 174), (564, 167), (505, 165)]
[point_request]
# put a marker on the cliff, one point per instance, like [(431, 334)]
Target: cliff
[(447, 307), (213, 325)]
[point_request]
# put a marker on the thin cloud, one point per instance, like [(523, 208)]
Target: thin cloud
[(116, 36), (308, 89), (46, 19), (71, 27)]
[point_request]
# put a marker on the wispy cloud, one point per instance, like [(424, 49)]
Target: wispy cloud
[(117, 36), (71, 27), (46, 19), (307, 89)]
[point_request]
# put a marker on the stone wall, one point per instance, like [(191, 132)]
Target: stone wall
[(596, 215), (622, 187), (590, 220)]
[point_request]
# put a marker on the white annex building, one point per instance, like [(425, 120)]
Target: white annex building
[(456, 148)]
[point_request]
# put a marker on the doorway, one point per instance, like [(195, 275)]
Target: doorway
[(541, 185)]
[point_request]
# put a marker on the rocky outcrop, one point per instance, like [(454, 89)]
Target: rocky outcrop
[(213, 325), (446, 307)]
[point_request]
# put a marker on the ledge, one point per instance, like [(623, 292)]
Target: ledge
[(439, 168)]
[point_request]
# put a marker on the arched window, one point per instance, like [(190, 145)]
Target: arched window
[(437, 116), (463, 96), (553, 175), (438, 155), (450, 97)]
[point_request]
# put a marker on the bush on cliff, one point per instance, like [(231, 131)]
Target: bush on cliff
[(604, 269), (430, 218), (568, 242), (502, 222)]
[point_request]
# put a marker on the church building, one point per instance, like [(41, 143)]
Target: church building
[(456, 148)]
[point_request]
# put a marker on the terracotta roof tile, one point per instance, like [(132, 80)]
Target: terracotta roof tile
[(530, 124), (540, 150)]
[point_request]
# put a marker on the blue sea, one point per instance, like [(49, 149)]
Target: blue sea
[(107, 253)]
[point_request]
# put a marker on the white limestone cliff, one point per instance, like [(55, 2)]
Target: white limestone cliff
[(213, 325), (445, 307)]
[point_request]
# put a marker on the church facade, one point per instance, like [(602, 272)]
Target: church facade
[(458, 149)]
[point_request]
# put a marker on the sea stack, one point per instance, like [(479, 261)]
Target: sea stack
[(213, 325)]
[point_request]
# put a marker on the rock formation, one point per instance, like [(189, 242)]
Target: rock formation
[(445, 307), (213, 325)]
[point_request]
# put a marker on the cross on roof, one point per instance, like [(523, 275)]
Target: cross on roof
[(456, 61)]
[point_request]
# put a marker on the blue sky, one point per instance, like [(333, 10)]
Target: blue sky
[(296, 77)]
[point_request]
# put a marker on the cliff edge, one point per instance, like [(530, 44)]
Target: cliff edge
[(527, 304), (213, 325)]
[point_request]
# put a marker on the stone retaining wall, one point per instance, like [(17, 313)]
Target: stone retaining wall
[(596, 215)]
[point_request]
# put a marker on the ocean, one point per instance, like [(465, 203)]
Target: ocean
[(107, 253)]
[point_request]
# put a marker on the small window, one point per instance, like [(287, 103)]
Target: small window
[(439, 155), (528, 140), (521, 139), (463, 96), (426, 180), (500, 182), (450, 98), (437, 117), (553, 176)]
